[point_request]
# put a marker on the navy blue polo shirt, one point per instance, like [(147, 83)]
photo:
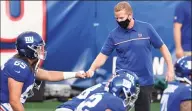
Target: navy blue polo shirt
[(134, 49), (183, 16)]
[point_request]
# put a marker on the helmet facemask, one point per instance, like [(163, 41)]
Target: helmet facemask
[(39, 51), (129, 98), (184, 79)]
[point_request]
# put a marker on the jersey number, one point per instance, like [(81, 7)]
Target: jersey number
[(21, 64), (85, 93), (91, 102)]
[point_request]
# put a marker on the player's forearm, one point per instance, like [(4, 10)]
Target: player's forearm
[(58, 76), (167, 56), (16, 106), (98, 62), (54, 75), (177, 35)]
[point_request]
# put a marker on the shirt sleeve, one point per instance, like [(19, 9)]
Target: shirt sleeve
[(108, 46), (19, 71), (179, 14), (155, 39)]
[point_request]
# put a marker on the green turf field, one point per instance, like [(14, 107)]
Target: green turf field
[(51, 105)]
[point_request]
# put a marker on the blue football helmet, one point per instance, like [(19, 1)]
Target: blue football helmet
[(183, 69), (31, 45), (125, 85)]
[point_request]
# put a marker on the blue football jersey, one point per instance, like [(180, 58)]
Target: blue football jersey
[(72, 104), (174, 94), (101, 102), (20, 71)]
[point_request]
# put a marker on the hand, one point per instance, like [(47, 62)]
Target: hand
[(170, 76), (89, 73), (80, 74), (179, 52)]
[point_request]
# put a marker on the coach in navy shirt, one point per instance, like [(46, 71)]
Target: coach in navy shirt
[(133, 41), (182, 29)]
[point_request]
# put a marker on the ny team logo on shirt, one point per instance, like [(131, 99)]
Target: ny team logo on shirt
[(139, 35)]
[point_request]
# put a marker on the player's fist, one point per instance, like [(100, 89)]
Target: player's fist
[(80, 74), (90, 73)]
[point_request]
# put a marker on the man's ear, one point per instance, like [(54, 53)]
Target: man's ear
[(130, 16)]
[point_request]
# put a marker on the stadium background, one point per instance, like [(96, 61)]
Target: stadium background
[(74, 32)]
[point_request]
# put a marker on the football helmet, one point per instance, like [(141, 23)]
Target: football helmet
[(125, 85), (31, 45), (183, 69)]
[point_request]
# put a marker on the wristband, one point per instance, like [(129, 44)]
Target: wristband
[(68, 75)]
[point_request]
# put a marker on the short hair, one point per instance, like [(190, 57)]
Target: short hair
[(123, 5)]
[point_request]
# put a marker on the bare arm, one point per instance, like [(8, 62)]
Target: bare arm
[(177, 38), (186, 105), (98, 62), (56, 75), (167, 56), (15, 89)]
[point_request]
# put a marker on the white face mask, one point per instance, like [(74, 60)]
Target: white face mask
[(40, 52)]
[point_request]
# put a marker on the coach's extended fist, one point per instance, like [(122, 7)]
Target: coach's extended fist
[(89, 73)]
